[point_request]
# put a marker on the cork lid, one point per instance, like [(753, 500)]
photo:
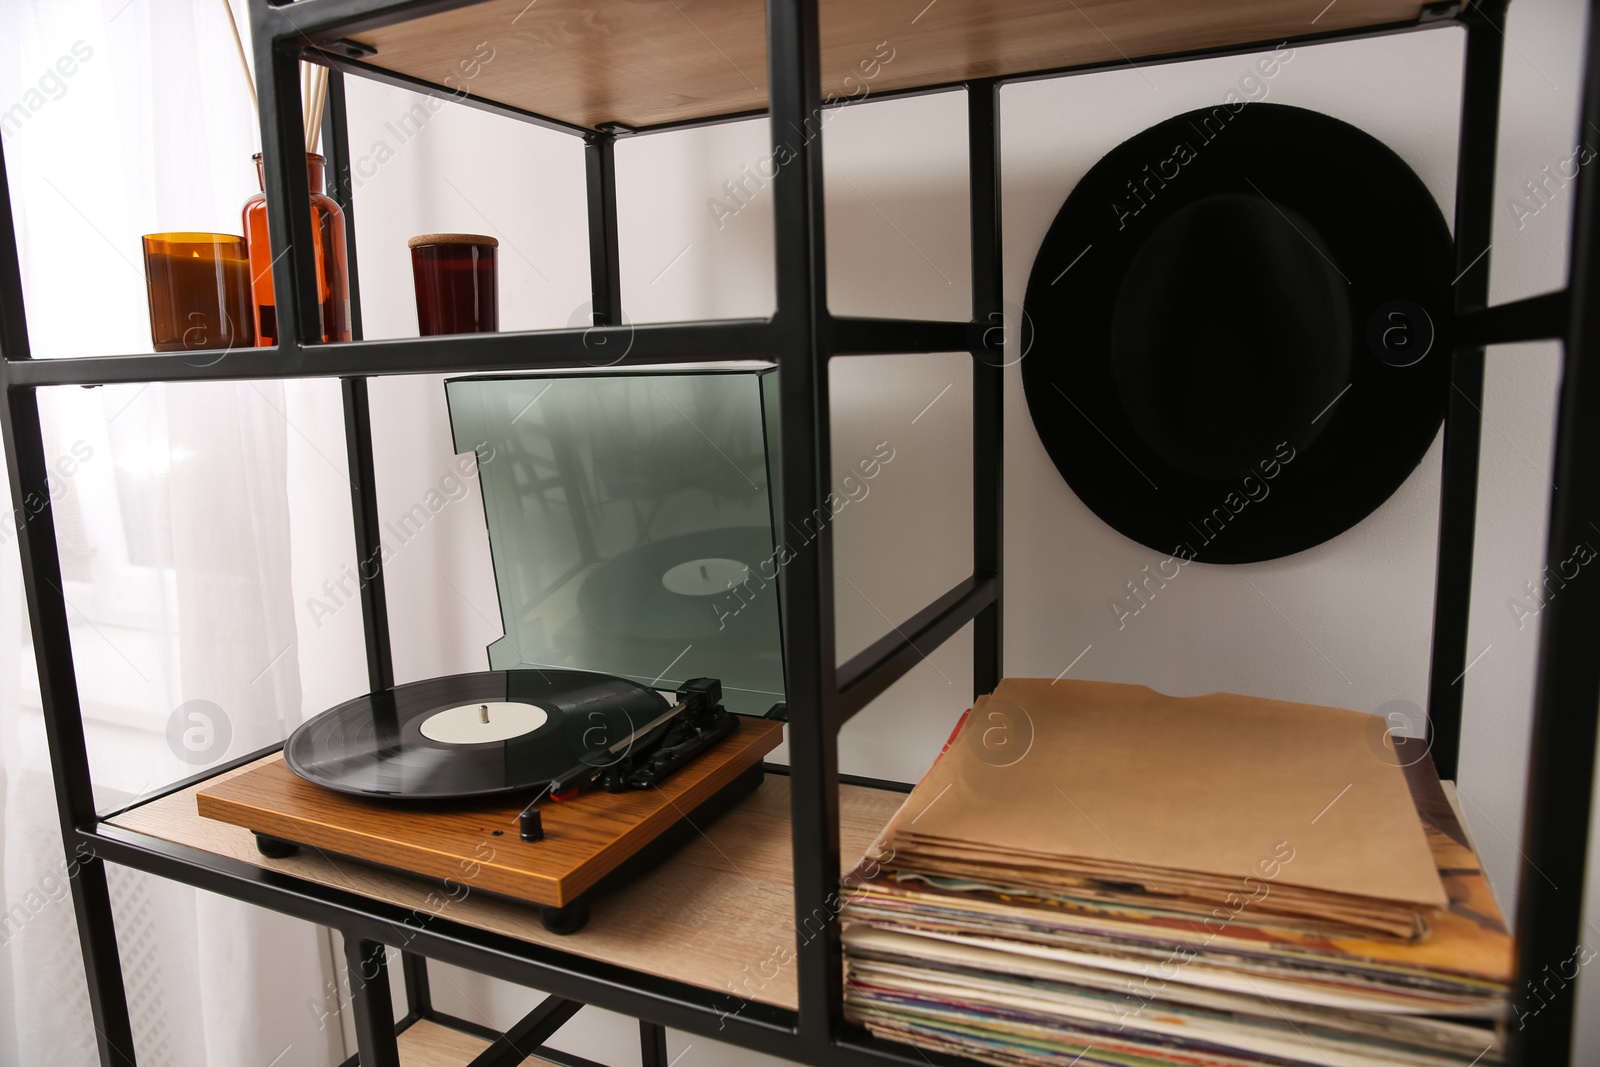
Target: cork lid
[(451, 239)]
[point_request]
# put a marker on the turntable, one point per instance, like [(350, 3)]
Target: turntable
[(628, 518)]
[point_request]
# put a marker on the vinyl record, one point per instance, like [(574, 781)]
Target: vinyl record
[(421, 741), (680, 588)]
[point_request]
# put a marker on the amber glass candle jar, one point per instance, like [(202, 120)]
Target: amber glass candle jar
[(333, 270), (457, 290), (199, 290)]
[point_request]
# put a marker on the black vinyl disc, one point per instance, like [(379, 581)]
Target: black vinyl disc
[(376, 745), (1240, 332)]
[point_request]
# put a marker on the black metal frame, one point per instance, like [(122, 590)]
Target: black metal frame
[(801, 336)]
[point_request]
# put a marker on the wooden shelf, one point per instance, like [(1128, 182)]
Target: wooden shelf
[(721, 904), (427, 1044), (644, 62)]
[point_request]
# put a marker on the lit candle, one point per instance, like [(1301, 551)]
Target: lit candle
[(199, 289)]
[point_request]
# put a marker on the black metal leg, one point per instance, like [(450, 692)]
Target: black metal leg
[(419, 993), (58, 682), (370, 1003), (652, 1045), (341, 184), (988, 373), (13, 316), (357, 411), (1555, 832), (605, 263), (369, 540), (605, 308), (288, 188), (804, 334), (363, 476), (102, 965), (1463, 426)]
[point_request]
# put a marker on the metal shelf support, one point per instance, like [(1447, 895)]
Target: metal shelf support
[(1535, 318), (605, 257), (804, 332), (1463, 423), (993, 323), (361, 469), (367, 971), (567, 349), (867, 674), (1566, 702), (288, 189), (52, 649)]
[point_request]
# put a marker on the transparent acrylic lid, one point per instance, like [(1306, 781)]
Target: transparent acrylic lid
[(630, 524)]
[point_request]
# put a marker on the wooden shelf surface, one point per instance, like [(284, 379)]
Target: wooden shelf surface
[(721, 904), (427, 1044), (644, 62)]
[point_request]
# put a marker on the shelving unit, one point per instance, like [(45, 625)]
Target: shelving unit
[(605, 69)]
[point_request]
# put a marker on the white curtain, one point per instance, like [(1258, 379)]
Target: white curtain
[(174, 509)]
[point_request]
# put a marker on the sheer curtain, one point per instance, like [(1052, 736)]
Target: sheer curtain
[(175, 509)]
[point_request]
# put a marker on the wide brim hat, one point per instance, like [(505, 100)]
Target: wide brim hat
[(1239, 327)]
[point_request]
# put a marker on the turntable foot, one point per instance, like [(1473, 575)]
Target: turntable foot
[(274, 847), (567, 920)]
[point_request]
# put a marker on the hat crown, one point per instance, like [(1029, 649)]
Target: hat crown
[(1230, 334)]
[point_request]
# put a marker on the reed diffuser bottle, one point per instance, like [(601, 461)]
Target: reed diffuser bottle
[(333, 272)]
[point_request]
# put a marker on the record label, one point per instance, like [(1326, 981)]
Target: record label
[(680, 588), (477, 724), (705, 577)]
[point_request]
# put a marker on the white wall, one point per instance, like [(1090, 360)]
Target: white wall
[(1358, 608)]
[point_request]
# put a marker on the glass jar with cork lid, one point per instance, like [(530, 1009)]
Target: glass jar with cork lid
[(457, 290)]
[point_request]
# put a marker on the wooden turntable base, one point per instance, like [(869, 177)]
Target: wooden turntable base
[(590, 842)]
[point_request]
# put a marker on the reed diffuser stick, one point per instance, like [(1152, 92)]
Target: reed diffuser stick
[(319, 99), (244, 61)]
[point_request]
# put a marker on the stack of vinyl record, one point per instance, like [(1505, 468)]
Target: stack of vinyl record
[(1098, 874)]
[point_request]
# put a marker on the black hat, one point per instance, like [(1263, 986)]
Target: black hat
[(1239, 324)]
